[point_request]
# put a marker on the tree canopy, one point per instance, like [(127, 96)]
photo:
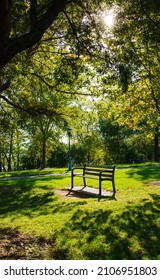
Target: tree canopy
[(61, 64)]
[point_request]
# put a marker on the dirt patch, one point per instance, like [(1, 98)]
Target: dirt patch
[(66, 194), (81, 192), (62, 192), (154, 183), (15, 245)]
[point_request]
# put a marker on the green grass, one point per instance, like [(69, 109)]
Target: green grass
[(54, 226)]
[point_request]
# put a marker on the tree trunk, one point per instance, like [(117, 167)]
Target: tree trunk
[(156, 147), (0, 163), (43, 164), (10, 152), (18, 150)]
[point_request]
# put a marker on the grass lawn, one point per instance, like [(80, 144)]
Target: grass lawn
[(38, 222)]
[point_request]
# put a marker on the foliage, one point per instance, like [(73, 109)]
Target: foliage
[(65, 67), (124, 143), (58, 156)]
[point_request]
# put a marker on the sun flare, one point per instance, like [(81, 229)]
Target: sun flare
[(108, 19)]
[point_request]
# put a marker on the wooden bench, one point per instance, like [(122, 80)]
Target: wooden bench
[(101, 173)]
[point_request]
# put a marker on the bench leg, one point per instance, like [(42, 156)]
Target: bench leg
[(72, 182), (114, 189), (84, 181), (71, 185)]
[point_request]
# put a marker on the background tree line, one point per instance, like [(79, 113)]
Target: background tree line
[(61, 66), (38, 144)]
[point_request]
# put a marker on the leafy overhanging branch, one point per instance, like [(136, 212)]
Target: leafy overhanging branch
[(9, 47), (34, 110), (53, 87)]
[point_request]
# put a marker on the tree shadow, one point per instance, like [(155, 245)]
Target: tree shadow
[(24, 198), (102, 234), (144, 174), (25, 202)]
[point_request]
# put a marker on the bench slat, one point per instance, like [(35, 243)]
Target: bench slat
[(106, 176), (95, 178), (92, 173), (100, 166), (89, 177), (98, 170), (98, 174)]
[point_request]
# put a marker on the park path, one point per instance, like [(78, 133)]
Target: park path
[(33, 176), (65, 173)]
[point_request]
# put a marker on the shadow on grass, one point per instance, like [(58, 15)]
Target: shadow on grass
[(22, 202), (132, 234), (144, 174), (23, 197)]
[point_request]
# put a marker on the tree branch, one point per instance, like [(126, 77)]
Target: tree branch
[(10, 102), (148, 16), (62, 91), (33, 14), (14, 46), (31, 110), (5, 20), (4, 86)]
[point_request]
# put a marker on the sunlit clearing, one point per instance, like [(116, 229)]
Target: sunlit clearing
[(108, 19)]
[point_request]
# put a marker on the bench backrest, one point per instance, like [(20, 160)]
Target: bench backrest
[(107, 171)]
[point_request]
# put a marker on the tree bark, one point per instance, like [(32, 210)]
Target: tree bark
[(5, 20), (156, 147), (10, 152), (43, 163), (0, 162)]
